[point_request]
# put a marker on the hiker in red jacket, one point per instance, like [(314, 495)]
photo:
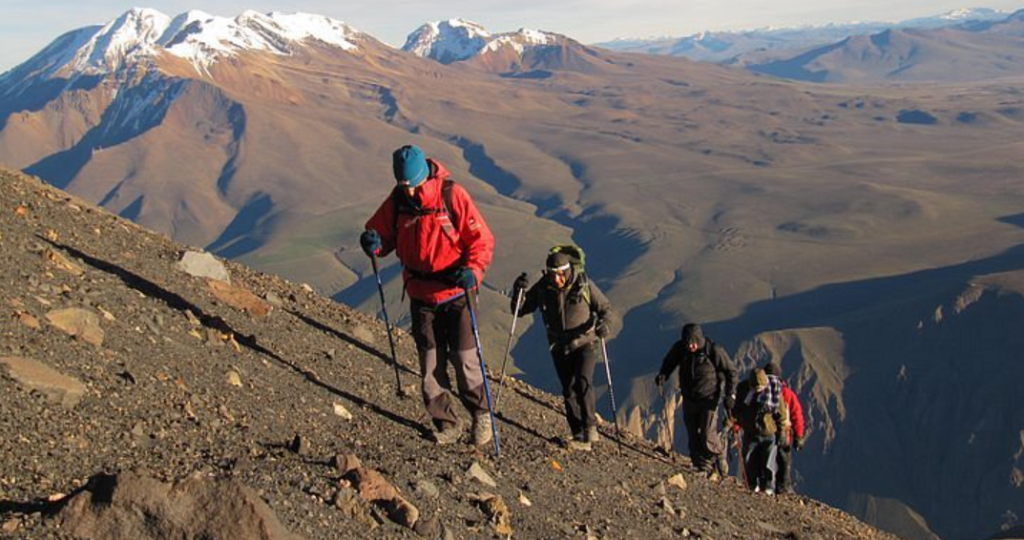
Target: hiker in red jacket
[(445, 246), (794, 437)]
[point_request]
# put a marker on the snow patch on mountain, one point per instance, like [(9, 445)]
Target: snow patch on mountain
[(198, 37), (457, 39), (447, 41)]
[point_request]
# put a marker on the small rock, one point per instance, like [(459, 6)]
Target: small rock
[(425, 489), (342, 412), (234, 379), (80, 323), (306, 288), (239, 298), (497, 513), (299, 445), (446, 533), (204, 265), (30, 321), (524, 501), (346, 462), (62, 262), (354, 507), (363, 334), (274, 300), (428, 528), (476, 472), (666, 505), (11, 526), (659, 489), (402, 512), (678, 481)]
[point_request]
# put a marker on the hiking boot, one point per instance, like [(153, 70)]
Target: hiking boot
[(592, 435), (447, 435), (580, 446), (482, 433), (769, 491)]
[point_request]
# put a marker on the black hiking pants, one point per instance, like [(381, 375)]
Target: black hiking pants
[(444, 335), (702, 434), (784, 460), (576, 373)]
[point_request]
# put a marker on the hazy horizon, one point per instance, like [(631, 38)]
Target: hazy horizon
[(25, 29)]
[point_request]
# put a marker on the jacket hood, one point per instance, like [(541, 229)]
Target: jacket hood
[(692, 333), (428, 194)]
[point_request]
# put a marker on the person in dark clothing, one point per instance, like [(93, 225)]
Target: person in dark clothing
[(445, 246), (577, 315), (706, 378), (793, 438)]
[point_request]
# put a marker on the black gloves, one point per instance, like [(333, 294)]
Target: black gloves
[(601, 329), (370, 242), (729, 403), (465, 278), (660, 379), (522, 282)]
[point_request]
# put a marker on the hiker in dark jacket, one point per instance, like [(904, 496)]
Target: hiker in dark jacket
[(761, 413), (793, 438), (577, 315), (445, 247), (706, 378)]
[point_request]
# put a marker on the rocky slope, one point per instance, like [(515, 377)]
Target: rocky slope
[(117, 361)]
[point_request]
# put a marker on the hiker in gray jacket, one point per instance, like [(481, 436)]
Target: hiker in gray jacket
[(577, 315)]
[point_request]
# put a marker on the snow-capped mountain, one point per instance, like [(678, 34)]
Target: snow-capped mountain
[(447, 41), (197, 37), (726, 45), (457, 39)]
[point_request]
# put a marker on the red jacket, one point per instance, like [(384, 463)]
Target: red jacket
[(427, 243), (796, 412)]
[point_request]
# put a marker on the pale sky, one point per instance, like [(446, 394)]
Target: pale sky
[(28, 26)]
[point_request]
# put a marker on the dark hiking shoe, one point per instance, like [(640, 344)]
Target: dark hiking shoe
[(592, 435), (482, 433), (448, 435)]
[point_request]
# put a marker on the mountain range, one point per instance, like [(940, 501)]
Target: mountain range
[(868, 240), (727, 45)]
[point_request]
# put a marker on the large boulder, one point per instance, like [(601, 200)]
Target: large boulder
[(129, 506)]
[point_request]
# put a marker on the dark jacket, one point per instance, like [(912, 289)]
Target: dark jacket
[(570, 314), (703, 375)]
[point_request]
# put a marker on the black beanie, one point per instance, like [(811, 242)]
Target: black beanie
[(773, 369), (693, 334), (559, 260)]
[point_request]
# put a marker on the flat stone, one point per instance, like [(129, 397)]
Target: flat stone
[(30, 321), (476, 472), (52, 384), (60, 261), (239, 298), (234, 379), (81, 323), (678, 481), (204, 265)]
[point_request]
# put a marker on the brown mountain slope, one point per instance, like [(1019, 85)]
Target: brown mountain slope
[(179, 383)]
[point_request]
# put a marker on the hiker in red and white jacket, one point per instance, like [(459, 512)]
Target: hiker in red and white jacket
[(793, 438), (445, 246)]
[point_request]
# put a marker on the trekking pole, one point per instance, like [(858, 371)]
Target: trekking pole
[(611, 392), (508, 348), (664, 419), (387, 321), (483, 371)]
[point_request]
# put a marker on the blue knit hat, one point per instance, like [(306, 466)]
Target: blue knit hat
[(410, 165)]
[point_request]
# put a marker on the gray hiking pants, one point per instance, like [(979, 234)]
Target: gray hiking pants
[(444, 335)]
